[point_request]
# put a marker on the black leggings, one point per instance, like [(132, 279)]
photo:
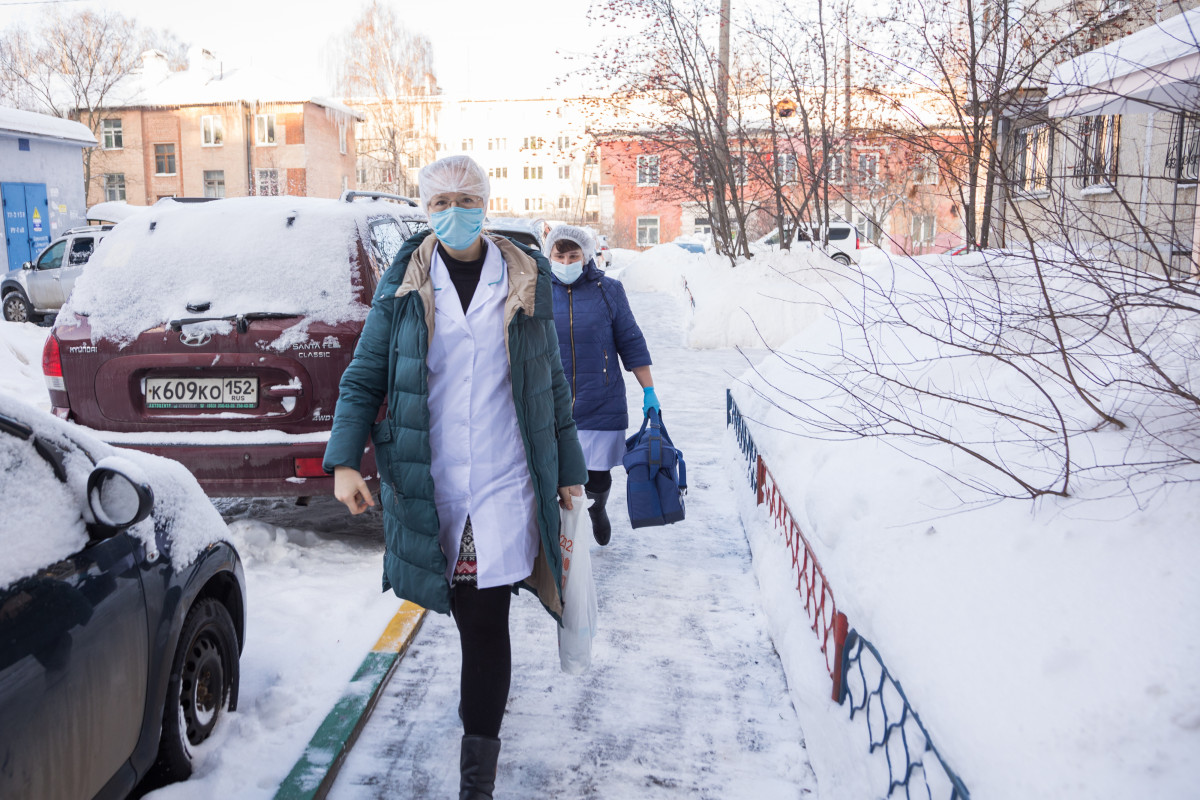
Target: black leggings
[(482, 619), (598, 482)]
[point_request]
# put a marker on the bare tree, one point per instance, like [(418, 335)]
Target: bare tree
[(74, 65), (385, 71)]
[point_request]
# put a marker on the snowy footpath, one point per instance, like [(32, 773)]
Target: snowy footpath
[(686, 696)]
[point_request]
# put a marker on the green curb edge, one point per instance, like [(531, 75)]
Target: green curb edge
[(313, 775)]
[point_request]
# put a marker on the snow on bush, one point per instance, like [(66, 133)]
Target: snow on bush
[(288, 255)]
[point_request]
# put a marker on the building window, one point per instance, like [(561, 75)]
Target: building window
[(592, 158), (593, 189), (533, 173), (702, 226), (532, 142), (164, 159), (499, 143), (924, 228), (468, 144), (414, 160), (786, 170), (342, 138), (647, 170), (498, 172), (214, 183), (113, 137), (1099, 141), (647, 231), (1183, 154), (564, 172), (926, 171), (534, 204), (212, 130), (833, 165), (264, 129), (267, 182), (868, 166), (497, 204), (564, 143), (1033, 150), (564, 201), (345, 183), (114, 186), (362, 176)]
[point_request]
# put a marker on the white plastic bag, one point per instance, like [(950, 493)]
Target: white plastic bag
[(579, 592)]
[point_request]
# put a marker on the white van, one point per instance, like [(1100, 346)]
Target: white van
[(846, 243)]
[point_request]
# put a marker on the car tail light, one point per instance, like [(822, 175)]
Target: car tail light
[(52, 365), (309, 468), (857, 242)]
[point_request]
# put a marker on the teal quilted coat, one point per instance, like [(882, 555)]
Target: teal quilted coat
[(389, 364)]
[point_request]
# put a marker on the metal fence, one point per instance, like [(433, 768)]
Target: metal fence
[(855, 666)]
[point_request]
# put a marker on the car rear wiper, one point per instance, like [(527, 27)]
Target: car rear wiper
[(242, 320)]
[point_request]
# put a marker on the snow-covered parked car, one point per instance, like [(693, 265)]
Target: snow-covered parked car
[(122, 614), (216, 334)]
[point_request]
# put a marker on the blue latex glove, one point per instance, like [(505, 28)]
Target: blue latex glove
[(649, 401)]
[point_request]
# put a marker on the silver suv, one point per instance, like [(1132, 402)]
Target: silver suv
[(40, 287)]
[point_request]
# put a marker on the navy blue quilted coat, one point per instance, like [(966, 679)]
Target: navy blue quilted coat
[(595, 326)]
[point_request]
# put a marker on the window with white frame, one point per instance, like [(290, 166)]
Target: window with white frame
[(266, 182), (564, 202), (787, 169), (212, 130), (533, 142), (468, 144), (497, 204), (532, 173), (647, 170), (1099, 143), (112, 134), (702, 226), (868, 166), (414, 160), (1033, 158), (500, 143), (114, 186), (647, 231), (214, 183), (342, 138), (924, 228), (362, 175), (345, 183), (926, 171), (564, 172), (164, 159), (564, 143), (264, 129), (534, 204), (833, 165), (498, 172), (593, 190)]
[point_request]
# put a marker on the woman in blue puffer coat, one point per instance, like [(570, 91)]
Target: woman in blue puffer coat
[(595, 327)]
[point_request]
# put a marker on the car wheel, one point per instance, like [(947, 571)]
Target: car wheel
[(204, 681), (842, 258), (17, 308)]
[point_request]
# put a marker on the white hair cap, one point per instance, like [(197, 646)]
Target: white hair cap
[(453, 174), (580, 236)]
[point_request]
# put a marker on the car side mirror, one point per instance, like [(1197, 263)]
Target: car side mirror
[(118, 494), (27, 265)]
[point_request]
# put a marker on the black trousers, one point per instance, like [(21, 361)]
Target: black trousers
[(482, 619), (598, 482)]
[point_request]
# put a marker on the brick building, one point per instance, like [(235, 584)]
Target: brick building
[(205, 132)]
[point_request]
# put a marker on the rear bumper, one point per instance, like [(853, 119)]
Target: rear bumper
[(253, 469)]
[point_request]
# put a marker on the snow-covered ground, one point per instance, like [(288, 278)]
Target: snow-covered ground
[(1049, 647)]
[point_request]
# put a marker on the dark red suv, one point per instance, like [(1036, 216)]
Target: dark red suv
[(216, 333)]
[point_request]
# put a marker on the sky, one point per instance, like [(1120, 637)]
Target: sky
[(482, 49)]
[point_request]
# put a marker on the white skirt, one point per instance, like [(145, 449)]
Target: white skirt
[(602, 450)]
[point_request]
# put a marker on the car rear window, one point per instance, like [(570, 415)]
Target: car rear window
[(837, 234), (289, 255)]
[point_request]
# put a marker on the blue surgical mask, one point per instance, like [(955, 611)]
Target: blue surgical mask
[(457, 228), (567, 273)]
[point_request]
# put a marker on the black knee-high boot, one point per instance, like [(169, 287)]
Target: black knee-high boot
[(478, 767), (601, 527)]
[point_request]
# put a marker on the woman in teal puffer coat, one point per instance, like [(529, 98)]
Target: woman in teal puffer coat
[(478, 448)]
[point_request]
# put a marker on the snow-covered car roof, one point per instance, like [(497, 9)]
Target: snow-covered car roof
[(45, 518), (289, 255), (115, 211)]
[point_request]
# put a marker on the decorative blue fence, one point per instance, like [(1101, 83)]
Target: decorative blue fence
[(858, 672)]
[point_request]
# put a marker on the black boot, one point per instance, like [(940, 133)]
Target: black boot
[(478, 767), (601, 527)]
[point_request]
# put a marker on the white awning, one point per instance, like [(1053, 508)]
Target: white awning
[(1153, 69)]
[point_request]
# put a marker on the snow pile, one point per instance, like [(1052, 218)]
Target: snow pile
[(44, 518), (21, 362), (290, 255), (1019, 629), (762, 301)]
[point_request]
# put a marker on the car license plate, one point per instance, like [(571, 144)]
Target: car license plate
[(201, 392)]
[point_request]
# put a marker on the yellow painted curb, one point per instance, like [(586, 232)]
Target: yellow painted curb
[(400, 630)]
